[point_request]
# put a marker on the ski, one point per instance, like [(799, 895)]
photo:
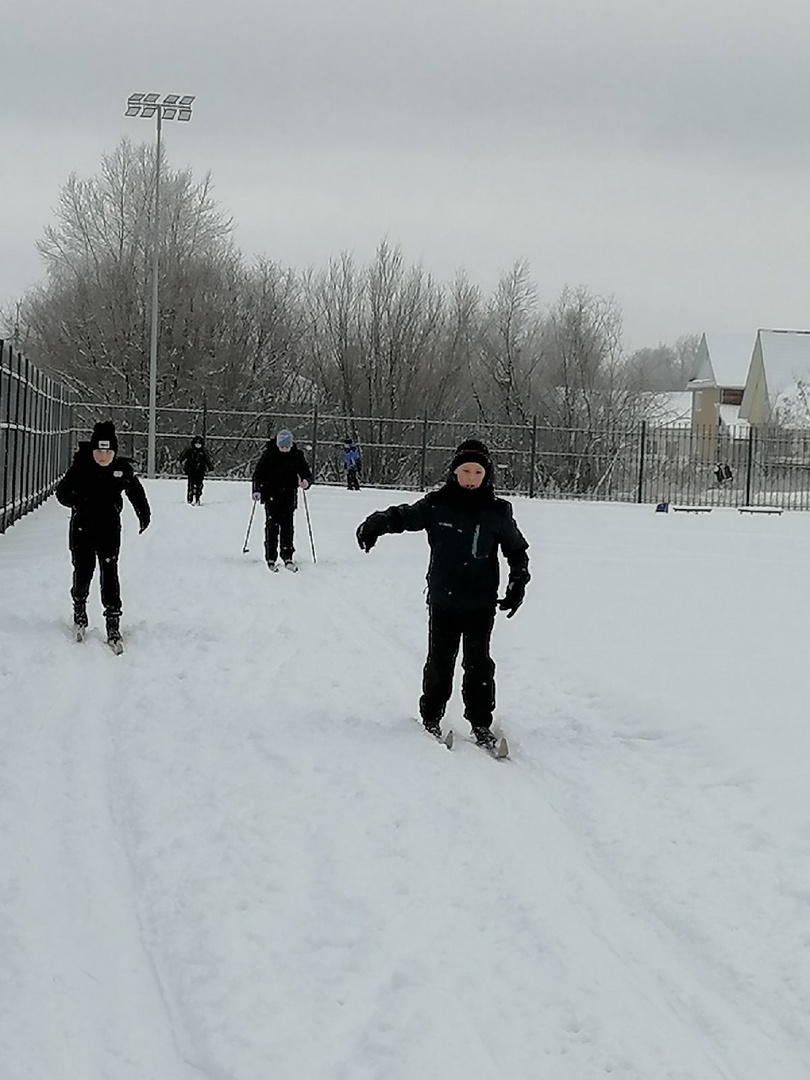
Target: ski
[(500, 751), (498, 748), (445, 739)]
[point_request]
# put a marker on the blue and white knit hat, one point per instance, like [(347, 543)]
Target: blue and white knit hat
[(284, 439)]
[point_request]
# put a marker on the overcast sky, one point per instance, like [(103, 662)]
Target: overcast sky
[(656, 153)]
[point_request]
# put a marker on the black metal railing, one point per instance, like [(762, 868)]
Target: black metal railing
[(639, 462), (36, 435)]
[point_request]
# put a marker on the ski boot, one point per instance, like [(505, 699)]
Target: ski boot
[(290, 565), (114, 634), (499, 748), (80, 618), (484, 737), (272, 566), (433, 727)]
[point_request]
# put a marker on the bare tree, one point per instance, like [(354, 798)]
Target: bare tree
[(88, 321), (666, 367), (510, 347)]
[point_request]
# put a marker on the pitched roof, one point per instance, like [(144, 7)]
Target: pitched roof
[(723, 359), (786, 359), (667, 408)]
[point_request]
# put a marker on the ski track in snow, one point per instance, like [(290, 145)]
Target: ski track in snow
[(232, 854)]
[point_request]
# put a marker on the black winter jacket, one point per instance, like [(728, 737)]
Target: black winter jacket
[(277, 473), (465, 530), (94, 492), (195, 461)]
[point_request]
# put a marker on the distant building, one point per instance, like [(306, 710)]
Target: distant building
[(723, 361), (778, 379)]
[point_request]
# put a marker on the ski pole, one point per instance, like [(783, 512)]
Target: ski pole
[(309, 525), (250, 526)]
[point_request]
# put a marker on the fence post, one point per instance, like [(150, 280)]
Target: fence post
[(423, 460), (532, 457), (16, 465), (314, 439), (205, 417), (749, 467), (6, 430), (641, 461)]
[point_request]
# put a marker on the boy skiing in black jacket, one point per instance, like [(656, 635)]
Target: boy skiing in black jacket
[(279, 472), (196, 463), (466, 525), (92, 488)]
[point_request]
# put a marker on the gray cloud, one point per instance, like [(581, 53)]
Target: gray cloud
[(657, 155)]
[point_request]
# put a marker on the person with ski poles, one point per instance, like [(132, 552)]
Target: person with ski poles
[(466, 526), (279, 472), (196, 463), (351, 463), (93, 487)]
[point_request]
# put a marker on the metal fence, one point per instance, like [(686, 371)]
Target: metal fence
[(633, 463), (36, 435)]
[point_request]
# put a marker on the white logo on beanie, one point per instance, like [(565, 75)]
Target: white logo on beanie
[(103, 444)]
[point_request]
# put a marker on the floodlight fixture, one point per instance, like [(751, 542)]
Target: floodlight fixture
[(172, 107)]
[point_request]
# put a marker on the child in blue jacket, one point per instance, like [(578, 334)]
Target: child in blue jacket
[(351, 463)]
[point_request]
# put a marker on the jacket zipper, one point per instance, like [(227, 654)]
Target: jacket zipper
[(475, 541)]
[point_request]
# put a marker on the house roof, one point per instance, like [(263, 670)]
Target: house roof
[(786, 359), (723, 360), (667, 408)]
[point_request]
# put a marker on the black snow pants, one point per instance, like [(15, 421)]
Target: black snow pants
[(195, 487), (279, 526), (473, 631), (91, 542), (352, 480)]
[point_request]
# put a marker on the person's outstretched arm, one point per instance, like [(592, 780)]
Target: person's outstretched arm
[(409, 517)]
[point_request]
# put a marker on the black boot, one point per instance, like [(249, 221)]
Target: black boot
[(113, 629), (80, 614), (484, 737)]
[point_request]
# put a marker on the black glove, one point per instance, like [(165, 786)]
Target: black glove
[(513, 598), (144, 527), (369, 532)]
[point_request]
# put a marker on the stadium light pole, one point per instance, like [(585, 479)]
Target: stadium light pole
[(172, 107)]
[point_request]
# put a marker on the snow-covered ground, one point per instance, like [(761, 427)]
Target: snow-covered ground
[(232, 854)]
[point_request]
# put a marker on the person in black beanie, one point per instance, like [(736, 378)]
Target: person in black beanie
[(92, 488), (196, 463), (466, 526)]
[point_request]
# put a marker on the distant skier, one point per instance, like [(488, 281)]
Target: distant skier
[(196, 463), (351, 463), (92, 488), (466, 525), (280, 471)]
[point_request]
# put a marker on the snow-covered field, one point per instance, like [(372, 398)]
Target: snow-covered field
[(232, 854)]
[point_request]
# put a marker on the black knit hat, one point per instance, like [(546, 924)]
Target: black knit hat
[(104, 437), (473, 450)]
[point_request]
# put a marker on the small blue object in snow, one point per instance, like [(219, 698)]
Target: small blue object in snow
[(662, 508)]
